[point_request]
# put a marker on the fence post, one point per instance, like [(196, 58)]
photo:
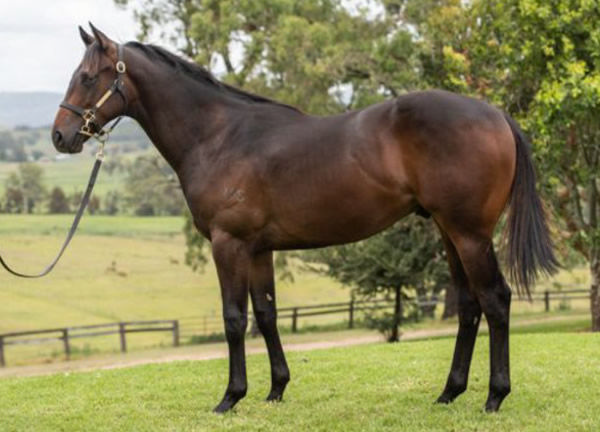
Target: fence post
[(2, 361), (295, 320), (547, 300), (175, 333), (395, 336), (122, 337), (65, 338), (351, 316)]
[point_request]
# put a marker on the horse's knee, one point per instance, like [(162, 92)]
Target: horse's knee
[(235, 327), (469, 313)]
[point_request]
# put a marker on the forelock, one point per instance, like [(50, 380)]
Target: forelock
[(92, 59)]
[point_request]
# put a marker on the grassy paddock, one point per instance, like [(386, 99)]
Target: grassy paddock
[(369, 388)]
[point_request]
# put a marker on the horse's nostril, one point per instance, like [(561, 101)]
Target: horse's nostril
[(57, 137)]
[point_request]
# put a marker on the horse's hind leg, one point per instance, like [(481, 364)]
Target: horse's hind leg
[(487, 283), (262, 291), (469, 315)]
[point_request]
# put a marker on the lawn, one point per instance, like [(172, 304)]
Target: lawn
[(367, 388)]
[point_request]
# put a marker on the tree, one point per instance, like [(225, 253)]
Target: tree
[(93, 205), (196, 245), (58, 202), (13, 196), (405, 262), (26, 183), (538, 59), (111, 202), (151, 187), (316, 54)]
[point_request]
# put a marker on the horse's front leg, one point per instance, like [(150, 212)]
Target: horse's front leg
[(233, 262)]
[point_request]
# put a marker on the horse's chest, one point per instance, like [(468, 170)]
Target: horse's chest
[(228, 204)]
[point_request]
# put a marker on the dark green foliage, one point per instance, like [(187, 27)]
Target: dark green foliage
[(151, 188), (323, 56), (93, 205), (58, 202), (408, 256), (196, 245), (24, 189), (111, 202)]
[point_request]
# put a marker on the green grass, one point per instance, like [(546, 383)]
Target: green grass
[(99, 225), (369, 388)]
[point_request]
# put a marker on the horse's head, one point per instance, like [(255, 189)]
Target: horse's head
[(96, 93)]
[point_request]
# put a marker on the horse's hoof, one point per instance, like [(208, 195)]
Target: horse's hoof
[(447, 397), (444, 399), (275, 396), (277, 389), (223, 407), (226, 404), (493, 404), (495, 398)]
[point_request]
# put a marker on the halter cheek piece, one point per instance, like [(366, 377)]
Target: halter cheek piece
[(90, 126)]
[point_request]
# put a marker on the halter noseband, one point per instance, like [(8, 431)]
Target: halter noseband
[(90, 127)]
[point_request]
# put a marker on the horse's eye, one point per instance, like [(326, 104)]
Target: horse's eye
[(88, 81)]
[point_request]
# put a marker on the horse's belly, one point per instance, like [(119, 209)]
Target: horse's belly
[(328, 219)]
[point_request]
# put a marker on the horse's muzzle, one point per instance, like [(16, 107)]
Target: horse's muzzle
[(74, 145)]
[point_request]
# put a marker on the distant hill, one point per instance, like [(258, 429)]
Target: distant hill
[(33, 109)]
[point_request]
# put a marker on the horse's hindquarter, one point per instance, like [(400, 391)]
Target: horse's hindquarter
[(461, 157)]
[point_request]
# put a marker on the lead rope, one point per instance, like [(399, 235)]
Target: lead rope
[(102, 137)]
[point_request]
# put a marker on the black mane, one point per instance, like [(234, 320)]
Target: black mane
[(200, 74)]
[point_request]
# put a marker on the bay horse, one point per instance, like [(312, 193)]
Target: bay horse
[(260, 176)]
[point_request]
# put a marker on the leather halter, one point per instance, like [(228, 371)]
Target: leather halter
[(90, 127)]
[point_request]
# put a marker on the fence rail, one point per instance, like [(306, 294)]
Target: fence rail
[(350, 308), (190, 327), (67, 334)]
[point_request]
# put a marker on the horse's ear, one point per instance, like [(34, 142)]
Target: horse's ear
[(85, 37), (103, 41)]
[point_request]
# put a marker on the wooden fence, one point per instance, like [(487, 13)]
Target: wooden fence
[(191, 327), (67, 334), (351, 307)]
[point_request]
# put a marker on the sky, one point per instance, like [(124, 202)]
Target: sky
[(40, 45)]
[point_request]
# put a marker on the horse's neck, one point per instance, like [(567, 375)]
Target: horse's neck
[(176, 113)]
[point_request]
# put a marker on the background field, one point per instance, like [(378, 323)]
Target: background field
[(369, 388), (131, 268), (117, 268), (70, 172)]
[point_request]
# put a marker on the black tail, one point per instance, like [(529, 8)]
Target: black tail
[(529, 244)]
